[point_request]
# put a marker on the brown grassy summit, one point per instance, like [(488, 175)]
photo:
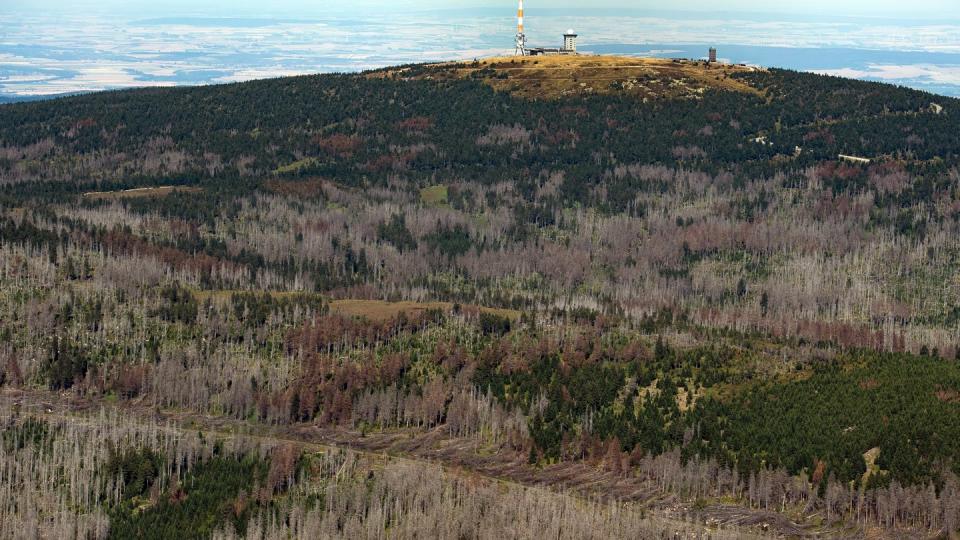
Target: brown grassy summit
[(546, 77)]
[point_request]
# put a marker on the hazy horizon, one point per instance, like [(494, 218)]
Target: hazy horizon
[(932, 9), (52, 47)]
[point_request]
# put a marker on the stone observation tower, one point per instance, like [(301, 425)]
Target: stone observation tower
[(570, 41)]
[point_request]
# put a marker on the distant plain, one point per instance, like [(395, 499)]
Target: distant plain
[(47, 55)]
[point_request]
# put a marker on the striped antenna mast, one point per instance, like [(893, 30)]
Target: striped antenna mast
[(521, 49)]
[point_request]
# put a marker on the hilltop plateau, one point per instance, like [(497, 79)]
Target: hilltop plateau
[(546, 77)]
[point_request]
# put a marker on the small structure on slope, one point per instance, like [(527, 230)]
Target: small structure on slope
[(855, 159)]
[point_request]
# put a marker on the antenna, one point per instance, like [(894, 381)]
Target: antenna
[(521, 49)]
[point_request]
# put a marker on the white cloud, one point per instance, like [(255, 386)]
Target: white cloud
[(93, 52), (895, 73)]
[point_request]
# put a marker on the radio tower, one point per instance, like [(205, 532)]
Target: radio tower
[(521, 49)]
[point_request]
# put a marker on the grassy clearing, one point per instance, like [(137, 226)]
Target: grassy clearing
[(295, 166), (374, 310), (378, 310), (138, 193), (434, 195)]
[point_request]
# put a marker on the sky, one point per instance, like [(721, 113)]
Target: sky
[(50, 47), (826, 8)]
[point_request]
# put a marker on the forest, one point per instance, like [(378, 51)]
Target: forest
[(416, 303)]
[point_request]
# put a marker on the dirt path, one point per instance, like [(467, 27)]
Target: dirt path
[(458, 457)]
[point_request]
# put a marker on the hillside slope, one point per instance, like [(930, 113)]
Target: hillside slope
[(299, 125), (716, 291)]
